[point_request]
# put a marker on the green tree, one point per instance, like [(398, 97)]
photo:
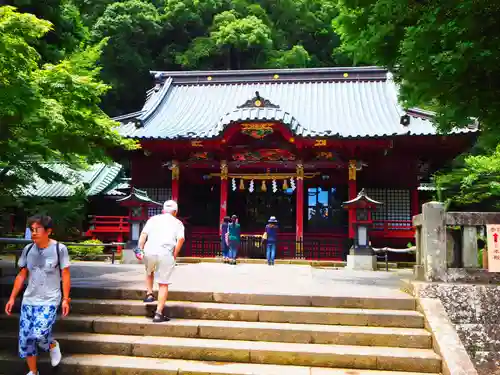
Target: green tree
[(67, 31), (133, 28), (444, 55), (47, 114), (236, 43), (205, 34), (306, 23), (297, 57), (474, 180), (68, 214)]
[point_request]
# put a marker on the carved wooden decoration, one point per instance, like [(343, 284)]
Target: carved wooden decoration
[(352, 170), (320, 143), (264, 155), (258, 102), (196, 144), (257, 130), (223, 170), (200, 156), (300, 171)]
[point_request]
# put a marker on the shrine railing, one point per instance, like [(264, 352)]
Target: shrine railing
[(108, 224), (252, 246), (390, 225)]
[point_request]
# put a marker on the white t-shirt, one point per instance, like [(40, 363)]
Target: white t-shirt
[(163, 233)]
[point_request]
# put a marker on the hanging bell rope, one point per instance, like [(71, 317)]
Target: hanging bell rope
[(242, 185), (285, 185), (263, 186)]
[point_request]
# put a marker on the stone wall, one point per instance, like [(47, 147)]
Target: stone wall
[(475, 311)]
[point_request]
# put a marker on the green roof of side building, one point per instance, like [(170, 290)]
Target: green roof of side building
[(98, 179), (321, 102)]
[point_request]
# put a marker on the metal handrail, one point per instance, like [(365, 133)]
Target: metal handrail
[(23, 241)]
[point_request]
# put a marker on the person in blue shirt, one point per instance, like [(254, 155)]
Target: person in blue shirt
[(224, 244), (271, 238), (234, 239)]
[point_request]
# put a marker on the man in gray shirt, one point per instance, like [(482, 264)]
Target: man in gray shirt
[(45, 263)]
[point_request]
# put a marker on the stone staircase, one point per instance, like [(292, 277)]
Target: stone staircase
[(110, 332)]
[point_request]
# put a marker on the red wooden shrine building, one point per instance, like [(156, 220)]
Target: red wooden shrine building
[(292, 143)]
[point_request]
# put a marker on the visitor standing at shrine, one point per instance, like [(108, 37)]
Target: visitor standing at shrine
[(160, 242), (234, 238), (271, 236), (224, 244), (45, 263)]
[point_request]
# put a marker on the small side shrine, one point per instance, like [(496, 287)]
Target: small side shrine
[(361, 255), (138, 203)]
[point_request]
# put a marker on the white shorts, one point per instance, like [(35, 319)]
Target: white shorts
[(162, 265)]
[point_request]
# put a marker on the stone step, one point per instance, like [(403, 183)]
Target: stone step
[(254, 313), (401, 302), (316, 355), (238, 330), (111, 365)]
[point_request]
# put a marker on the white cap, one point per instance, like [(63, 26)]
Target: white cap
[(170, 206)]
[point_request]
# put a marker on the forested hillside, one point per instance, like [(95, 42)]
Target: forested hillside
[(187, 34), (79, 61)]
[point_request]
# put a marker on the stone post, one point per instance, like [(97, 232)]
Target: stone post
[(433, 238), (469, 247)]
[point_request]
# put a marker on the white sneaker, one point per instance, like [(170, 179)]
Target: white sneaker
[(55, 355)]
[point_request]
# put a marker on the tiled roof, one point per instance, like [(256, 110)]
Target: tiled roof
[(326, 102), (139, 195), (96, 180)]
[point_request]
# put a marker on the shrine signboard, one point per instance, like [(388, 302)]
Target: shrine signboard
[(493, 240)]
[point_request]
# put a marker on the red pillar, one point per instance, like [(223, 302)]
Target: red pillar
[(299, 227), (352, 193), (175, 181), (223, 192)]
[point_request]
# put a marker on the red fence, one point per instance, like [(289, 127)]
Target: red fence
[(393, 229), (107, 225), (312, 247)]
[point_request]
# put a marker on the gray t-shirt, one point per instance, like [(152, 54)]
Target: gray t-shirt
[(44, 279)]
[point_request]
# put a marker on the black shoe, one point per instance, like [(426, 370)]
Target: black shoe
[(149, 298), (159, 318)]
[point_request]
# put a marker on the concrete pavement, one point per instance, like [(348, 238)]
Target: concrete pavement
[(250, 278)]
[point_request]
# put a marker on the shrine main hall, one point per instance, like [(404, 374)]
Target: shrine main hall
[(292, 143)]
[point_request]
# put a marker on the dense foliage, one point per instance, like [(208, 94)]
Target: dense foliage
[(48, 113), (68, 64), (445, 56), (68, 214), (149, 35)]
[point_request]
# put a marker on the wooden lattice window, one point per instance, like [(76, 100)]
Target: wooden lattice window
[(396, 208), (159, 195)]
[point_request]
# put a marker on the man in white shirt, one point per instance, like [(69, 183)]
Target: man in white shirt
[(161, 240)]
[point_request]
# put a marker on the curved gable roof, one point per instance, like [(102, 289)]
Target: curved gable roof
[(323, 102)]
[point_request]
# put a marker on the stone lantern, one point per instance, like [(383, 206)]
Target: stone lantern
[(361, 255), (138, 203)]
